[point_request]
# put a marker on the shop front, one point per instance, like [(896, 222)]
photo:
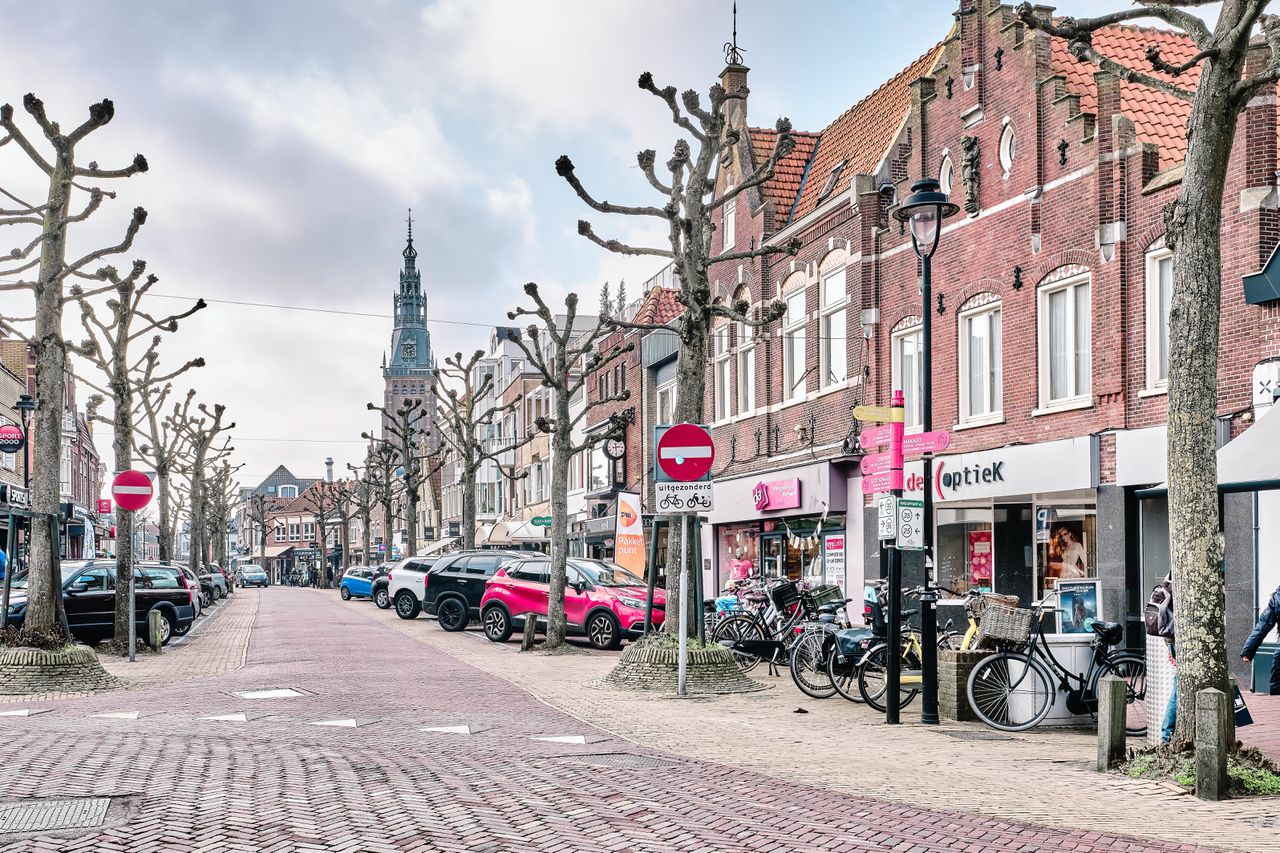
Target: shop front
[(787, 523)]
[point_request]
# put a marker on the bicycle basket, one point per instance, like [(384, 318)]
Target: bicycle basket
[(826, 594), (982, 602), (785, 594), (1006, 625)]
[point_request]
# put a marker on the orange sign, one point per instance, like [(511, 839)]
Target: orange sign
[(628, 535)]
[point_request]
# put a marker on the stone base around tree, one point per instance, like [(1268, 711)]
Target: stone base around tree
[(73, 669), (654, 668)]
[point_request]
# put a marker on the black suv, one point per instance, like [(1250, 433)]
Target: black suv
[(89, 598), (455, 585)]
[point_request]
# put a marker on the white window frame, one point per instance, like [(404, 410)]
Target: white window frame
[(293, 491), (1082, 392), (911, 390), (668, 390), (794, 378), (746, 357), (729, 216), (829, 336), (994, 412), (294, 532), (720, 362), (1156, 382), (308, 530), (1008, 147), (946, 173)]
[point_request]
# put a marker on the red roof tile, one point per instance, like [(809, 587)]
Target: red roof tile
[(1157, 117), (861, 137), (787, 178), (659, 306)]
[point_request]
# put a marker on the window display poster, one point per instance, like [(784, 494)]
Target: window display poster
[(1078, 606), (740, 550), (980, 557), (1066, 556), (833, 559)]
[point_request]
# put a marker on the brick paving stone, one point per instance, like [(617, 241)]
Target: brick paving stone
[(816, 783)]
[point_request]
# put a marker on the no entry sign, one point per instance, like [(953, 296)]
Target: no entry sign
[(131, 489), (686, 452), (11, 438)]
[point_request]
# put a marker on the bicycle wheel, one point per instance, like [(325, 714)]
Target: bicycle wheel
[(844, 676), (740, 628), (948, 641), (873, 678), (809, 664), (1010, 691), (1133, 670)]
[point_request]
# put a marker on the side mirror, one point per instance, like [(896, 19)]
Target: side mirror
[(80, 586)]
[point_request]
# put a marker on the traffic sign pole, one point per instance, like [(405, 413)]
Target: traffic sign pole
[(893, 640), (133, 596), (132, 491)]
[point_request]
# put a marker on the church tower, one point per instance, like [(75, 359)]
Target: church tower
[(410, 374)]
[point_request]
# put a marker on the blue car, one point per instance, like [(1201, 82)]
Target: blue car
[(358, 582)]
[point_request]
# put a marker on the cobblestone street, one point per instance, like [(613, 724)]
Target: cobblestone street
[(348, 760)]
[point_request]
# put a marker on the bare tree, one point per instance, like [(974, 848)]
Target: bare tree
[(162, 443), (259, 512), (107, 348), (408, 435), (322, 500), (363, 497), (689, 201), (220, 495), (566, 357), (52, 220), (209, 444), (347, 509), (381, 467), (465, 424), (1193, 222)]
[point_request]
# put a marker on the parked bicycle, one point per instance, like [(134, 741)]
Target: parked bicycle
[(1014, 689)]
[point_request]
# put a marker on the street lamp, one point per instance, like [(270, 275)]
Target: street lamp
[(924, 210), (26, 405)]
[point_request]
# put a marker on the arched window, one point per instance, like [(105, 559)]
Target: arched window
[(1008, 148), (746, 358), (1065, 339), (832, 303), (946, 172), (793, 358)]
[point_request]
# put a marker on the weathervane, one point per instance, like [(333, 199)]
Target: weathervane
[(733, 53)]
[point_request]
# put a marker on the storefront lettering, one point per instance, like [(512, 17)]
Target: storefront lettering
[(777, 494), (967, 476)]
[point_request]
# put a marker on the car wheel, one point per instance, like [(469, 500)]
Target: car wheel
[(603, 631), (407, 606), (206, 600), (497, 624), (182, 632), (345, 593), (381, 599), (217, 592), (166, 628), (452, 615)]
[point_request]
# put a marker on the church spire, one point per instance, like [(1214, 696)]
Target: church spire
[(410, 253)]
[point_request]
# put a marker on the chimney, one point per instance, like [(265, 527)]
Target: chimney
[(734, 78), (328, 469)]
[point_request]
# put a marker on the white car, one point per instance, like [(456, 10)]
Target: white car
[(406, 585)]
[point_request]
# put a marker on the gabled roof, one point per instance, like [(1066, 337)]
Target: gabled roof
[(659, 306), (862, 136), (788, 178), (1157, 117), (282, 476)]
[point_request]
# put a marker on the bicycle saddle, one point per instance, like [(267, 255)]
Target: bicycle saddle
[(832, 607), (1110, 633)]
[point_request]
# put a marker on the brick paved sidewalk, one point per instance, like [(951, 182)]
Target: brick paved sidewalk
[(1044, 776), (349, 763)]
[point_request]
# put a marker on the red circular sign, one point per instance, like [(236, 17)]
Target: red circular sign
[(11, 438), (686, 452), (131, 489)]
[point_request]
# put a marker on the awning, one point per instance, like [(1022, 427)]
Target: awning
[(527, 532), (440, 546), (499, 534), (278, 550), (1247, 463)]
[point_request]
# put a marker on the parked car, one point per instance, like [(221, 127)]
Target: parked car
[(379, 590), (406, 584), (456, 583), (217, 581), (193, 587), (227, 580), (602, 600), (357, 582), (89, 598), (251, 575)]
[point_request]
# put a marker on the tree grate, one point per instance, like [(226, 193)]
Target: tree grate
[(52, 815), (625, 760), (975, 735)]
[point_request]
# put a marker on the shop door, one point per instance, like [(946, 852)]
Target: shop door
[(1014, 551), (773, 549)]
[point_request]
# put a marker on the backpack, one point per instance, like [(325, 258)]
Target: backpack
[(1157, 615)]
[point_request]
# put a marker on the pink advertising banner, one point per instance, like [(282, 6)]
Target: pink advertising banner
[(777, 494)]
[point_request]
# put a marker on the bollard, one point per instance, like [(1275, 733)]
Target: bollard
[(1112, 710), (153, 630), (1213, 732), (530, 632)]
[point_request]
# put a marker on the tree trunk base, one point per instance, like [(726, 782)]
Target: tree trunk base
[(73, 669), (653, 667)]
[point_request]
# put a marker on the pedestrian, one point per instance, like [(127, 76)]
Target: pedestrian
[(1267, 620), (1157, 617)]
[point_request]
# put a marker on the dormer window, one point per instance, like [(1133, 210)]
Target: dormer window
[(830, 185), (288, 491)]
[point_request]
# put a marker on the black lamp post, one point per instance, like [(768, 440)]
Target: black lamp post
[(26, 406), (924, 210)]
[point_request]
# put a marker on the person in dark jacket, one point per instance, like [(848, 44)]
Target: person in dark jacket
[(1267, 620)]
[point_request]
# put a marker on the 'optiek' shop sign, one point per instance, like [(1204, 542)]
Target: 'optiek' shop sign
[(1052, 466)]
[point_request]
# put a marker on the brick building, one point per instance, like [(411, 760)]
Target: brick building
[(1050, 326)]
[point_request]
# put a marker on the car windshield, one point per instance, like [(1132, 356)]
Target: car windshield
[(607, 574), (252, 570)]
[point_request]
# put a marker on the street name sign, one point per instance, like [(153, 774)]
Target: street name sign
[(874, 463), (926, 442), (874, 436), (685, 452), (885, 481), (132, 490)]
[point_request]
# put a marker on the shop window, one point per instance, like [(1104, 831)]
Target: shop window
[(1065, 343), (793, 367), (739, 551), (1159, 300), (835, 365), (907, 366), (965, 549), (981, 382), (667, 402), (720, 356), (1066, 545), (746, 369)]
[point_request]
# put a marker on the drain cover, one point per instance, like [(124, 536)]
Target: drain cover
[(270, 693), (51, 815), (623, 759), (976, 735)]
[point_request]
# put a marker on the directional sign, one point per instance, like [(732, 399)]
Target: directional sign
[(910, 525), (887, 516), (926, 442), (873, 414), (131, 489), (874, 463), (874, 436), (686, 452), (885, 481), (11, 438)]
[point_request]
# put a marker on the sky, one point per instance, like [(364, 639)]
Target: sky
[(287, 140)]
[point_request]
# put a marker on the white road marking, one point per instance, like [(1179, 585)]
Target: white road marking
[(117, 715), (343, 724), (230, 718), (453, 730), (270, 693), (578, 739), (25, 712)]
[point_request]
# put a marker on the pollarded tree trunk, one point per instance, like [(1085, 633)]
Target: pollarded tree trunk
[(561, 457), (165, 532), (468, 531), (122, 449)]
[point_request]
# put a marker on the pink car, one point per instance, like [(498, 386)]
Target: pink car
[(602, 600)]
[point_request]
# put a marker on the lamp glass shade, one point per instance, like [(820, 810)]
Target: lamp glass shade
[(924, 226)]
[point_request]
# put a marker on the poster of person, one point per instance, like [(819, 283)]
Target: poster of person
[(740, 550), (1066, 556), (1078, 606)]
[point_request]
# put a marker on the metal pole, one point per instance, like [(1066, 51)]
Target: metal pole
[(684, 604), (8, 570), (893, 640), (928, 619), (133, 595), (651, 577), (700, 617)]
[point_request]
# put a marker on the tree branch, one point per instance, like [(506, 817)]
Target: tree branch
[(564, 168), (791, 247), (783, 145), (668, 95), (584, 228)]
